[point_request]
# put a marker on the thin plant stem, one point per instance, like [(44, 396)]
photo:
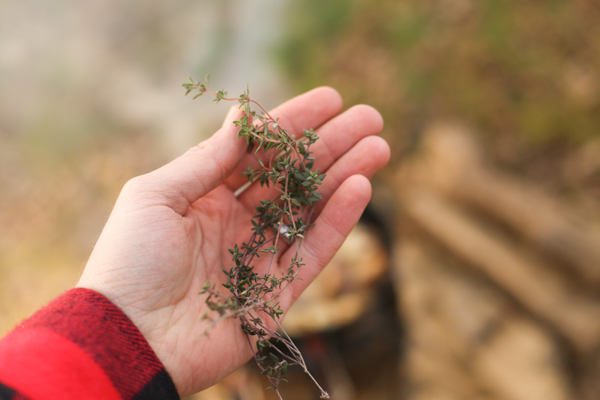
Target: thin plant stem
[(252, 295)]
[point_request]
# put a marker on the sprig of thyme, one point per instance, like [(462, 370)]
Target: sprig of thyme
[(286, 216)]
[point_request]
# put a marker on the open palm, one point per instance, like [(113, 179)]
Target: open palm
[(171, 229)]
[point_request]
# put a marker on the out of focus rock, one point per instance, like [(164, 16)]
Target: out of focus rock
[(453, 164), (466, 340), (537, 287)]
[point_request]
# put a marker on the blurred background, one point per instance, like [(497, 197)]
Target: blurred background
[(475, 271)]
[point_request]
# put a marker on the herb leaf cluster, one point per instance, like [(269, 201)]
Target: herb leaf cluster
[(251, 295)]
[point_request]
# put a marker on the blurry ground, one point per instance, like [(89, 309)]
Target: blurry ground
[(476, 273)]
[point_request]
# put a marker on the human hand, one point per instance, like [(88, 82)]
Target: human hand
[(170, 231)]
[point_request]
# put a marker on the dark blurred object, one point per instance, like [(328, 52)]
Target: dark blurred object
[(345, 289), (346, 323)]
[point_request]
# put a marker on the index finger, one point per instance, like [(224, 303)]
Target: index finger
[(307, 111)]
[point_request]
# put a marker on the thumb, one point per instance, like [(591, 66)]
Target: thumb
[(202, 168)]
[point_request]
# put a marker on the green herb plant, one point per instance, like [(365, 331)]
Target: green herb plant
[(251, 296)]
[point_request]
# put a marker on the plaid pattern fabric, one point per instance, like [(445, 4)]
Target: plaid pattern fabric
[(81, 346)]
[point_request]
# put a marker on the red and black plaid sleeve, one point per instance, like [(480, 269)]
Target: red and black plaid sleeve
[(81, 346)]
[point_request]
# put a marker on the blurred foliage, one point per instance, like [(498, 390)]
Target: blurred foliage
[(524, 73)]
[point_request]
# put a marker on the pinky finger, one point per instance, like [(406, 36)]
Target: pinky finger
[(322, 241)]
